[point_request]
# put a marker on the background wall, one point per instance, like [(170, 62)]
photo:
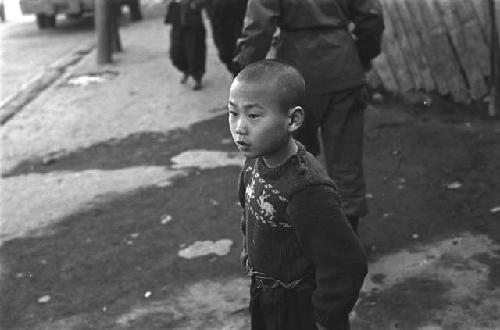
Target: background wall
[(436, 46)]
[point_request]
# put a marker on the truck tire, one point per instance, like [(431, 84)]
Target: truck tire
[(41, 21), (50, 21), (135, 10)]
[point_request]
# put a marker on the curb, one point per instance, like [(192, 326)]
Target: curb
[(15, 103)]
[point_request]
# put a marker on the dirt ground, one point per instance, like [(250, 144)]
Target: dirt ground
[(432, 236)]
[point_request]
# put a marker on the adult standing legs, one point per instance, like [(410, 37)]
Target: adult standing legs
[(341, 118), (342, 131), (195, 49)]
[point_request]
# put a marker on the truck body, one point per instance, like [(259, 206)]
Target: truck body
[(53, 7), (46, 10)]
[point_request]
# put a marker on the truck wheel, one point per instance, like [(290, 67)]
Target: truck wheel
[(74, 16), (50, 21), (135, 10), (40, 21)]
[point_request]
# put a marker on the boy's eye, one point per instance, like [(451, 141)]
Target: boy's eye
[(232, 113), (253, 115)]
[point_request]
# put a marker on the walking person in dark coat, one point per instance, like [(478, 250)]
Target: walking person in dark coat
[(187, 39), (315, 38), (226, 17)]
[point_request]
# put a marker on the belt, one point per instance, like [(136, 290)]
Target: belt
[(314, 29), (269, 282)]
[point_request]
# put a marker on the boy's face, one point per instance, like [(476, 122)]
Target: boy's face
[(260, 128)]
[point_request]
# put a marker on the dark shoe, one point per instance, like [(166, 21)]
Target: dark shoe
[(184, 79), (197, 85)]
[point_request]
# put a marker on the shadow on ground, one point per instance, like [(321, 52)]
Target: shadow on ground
[(144, 148)]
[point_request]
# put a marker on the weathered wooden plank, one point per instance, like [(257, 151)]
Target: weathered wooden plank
[(431, 59), (435, 44), (384, 70), (412, 31), (481, 10), (404, 43), (469, 65), (395, 56), (476, 42), (374, 80), (448, 67)]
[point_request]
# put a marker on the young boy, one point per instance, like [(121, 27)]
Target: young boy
[(306, 264)]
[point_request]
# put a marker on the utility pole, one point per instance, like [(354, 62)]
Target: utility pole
[(103, 30), (494, 105)]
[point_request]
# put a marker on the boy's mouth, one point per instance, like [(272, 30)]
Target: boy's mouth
[(242, 143)]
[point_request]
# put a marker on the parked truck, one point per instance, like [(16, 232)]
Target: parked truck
[(47, 10)]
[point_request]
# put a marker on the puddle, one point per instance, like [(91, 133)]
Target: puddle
[(205, 159), (85, 79), (202, 248), (470, 302), (438, 260)]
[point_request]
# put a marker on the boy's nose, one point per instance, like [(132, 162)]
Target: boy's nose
[(240, 127)]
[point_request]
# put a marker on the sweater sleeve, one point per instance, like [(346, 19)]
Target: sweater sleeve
[(260, 23), (241, 197), (330, 243), (369, 26)]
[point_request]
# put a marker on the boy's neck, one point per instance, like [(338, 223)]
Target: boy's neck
[(282, 156)]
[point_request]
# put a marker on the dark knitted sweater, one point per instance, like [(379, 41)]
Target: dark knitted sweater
[(293, 225)]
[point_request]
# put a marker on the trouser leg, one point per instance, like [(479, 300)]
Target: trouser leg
[(315, 106), (177, 50), (342, 134), (195, 47), (281, 309)]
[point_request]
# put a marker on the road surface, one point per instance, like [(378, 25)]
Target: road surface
[(26, 51)]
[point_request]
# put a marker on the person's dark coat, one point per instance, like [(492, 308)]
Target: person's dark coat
[(315, 35), (187, 37), (226, 17)]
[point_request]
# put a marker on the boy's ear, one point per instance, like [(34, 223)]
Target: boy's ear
[(296, 118)]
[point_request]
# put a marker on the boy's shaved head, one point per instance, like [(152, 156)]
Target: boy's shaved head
[(288, 83)]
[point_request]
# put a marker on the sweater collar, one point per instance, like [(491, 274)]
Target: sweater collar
[(275, 172)]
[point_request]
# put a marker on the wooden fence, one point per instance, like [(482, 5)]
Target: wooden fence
[(436, 46)]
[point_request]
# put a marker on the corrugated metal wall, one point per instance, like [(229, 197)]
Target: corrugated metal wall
[(436, 46)]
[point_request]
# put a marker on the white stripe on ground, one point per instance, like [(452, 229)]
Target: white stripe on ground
[(31, 202), (205, 159)]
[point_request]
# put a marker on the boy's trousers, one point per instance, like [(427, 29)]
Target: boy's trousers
[(340, 115), (281, 309)]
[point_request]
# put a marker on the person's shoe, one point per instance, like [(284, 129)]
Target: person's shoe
[(184, 79), (197, 85)]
